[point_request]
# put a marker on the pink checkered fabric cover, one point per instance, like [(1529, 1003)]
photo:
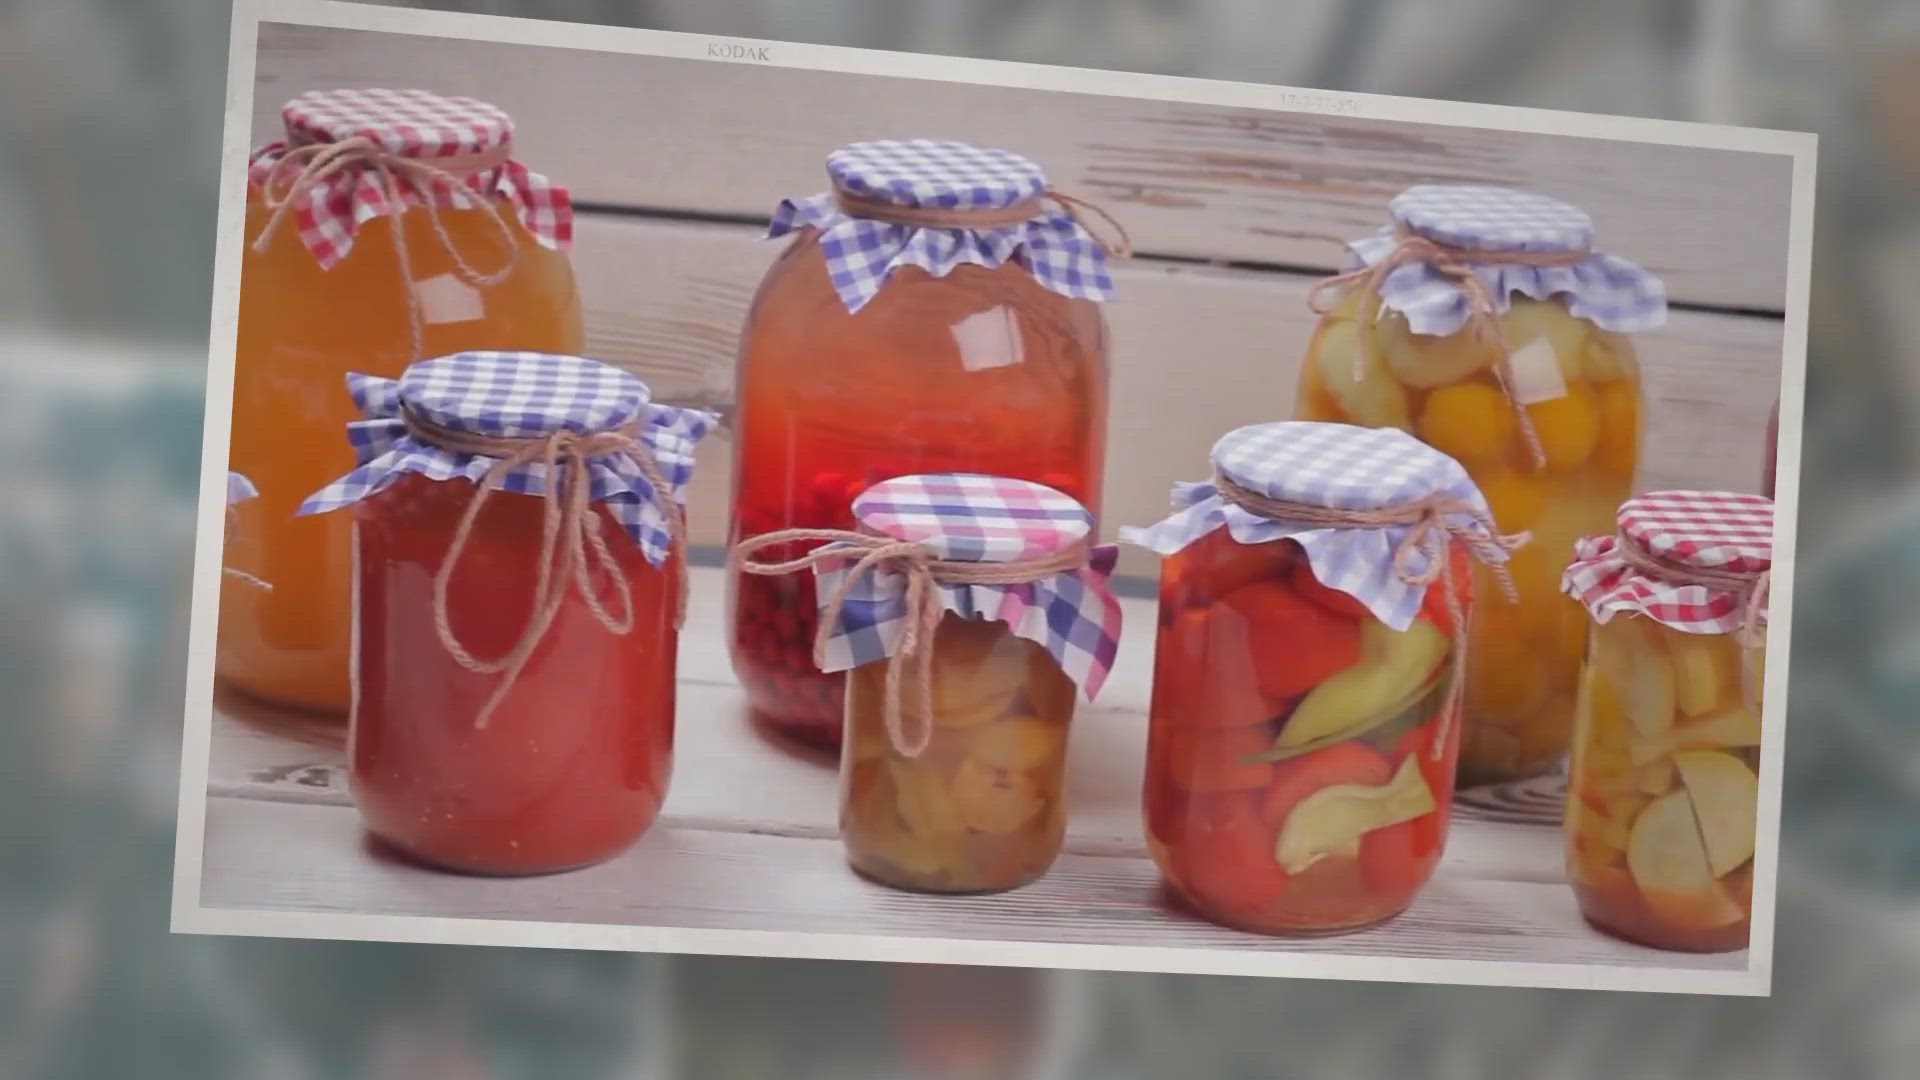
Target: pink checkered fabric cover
[(450, 134), (1719, 531)]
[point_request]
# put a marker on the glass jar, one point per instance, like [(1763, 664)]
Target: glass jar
[(322, 296), (523, 738), (1430, 360), (1663, 801), (960, 691), (1302, 741), (875, 350)]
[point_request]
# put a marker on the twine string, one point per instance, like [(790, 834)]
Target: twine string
[(573, 548), (1483, 314), (1118, 244), (1432, 524), (925, 575), (1751, 591), (318, 163)]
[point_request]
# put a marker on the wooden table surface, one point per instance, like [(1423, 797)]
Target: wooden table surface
[(747, 841)]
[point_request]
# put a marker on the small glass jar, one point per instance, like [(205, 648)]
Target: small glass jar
[(960, 789), (1302, 741), (322, 295), (1413, 350), (1663, 800), (522, 739), (875, 349)]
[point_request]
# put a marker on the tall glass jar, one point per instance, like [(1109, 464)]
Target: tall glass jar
[(1305, 711), (1662, 811), (513, 714), (463, 249), (961, 683), (1483, 322), (921, 319)]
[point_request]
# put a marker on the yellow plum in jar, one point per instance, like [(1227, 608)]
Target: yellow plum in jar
[(1568, 427), (1528, 320), (1471, 422)]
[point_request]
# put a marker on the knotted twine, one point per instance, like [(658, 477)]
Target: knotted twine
[(320, 162), (1433, 522), (1483, 314), (1750, 589), (946, 217), (925, 574), (572, 549)]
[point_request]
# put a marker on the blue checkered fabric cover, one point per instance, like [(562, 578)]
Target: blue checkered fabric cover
[(1338, 466), (240, 489), (1609, 291), (861, 254), (519, 395), (970, 518)]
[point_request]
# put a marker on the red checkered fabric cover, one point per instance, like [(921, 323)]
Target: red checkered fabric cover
[(1717, 532), (451, 135)]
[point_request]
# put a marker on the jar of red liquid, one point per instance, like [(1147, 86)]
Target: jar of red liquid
[(1664, 790), (937, 310), (1307, 674), (384, 227), (518, 588), (966, 609)]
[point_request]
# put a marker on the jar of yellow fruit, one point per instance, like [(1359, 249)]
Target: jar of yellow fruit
[(1483, 321), (966, 609), (1664, 790)]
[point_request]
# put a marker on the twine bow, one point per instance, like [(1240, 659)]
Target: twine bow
[(1483, 314), (572, 549), (1750, 589), (1434, 521), (319, 162), (953, 217), (924, 608)]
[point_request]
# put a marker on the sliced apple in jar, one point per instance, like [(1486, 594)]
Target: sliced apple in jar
[(1669, 863), (1725, 796), (1706, 671), (1636, 669), (1728, 729)]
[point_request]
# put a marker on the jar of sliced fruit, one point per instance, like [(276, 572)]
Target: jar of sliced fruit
[(1664, 792), (1483, 321), (966, 609), (1313, 611)]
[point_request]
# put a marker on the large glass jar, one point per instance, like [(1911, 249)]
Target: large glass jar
[(1549, 427), (875, 350), (1663, 802), (322, 295), (1301, 747), (491, 734)]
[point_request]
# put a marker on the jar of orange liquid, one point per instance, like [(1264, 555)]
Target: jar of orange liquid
[(965, 610), (518, 591), (1664, 790), (1314, 606), (386, 227), (1484, 321), (937, 310)]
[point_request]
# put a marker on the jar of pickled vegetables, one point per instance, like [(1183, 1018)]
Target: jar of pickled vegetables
[(936, 310), (1314, 607), (388, 226), (1483, 321), (1662, 811), (517, 594), (965, 610)]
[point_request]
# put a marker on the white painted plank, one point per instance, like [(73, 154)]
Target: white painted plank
[(314, 858), (1190, 181)]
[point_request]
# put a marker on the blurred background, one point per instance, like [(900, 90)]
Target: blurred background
[(110, 119)]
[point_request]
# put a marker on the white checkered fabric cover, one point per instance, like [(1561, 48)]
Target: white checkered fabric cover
[(520, 395), (862, 254), (1337, 466), (413, 124), (971, 518), (1714, 530), (1609, 291)]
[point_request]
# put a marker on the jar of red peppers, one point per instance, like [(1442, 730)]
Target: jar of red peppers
[(1483, 320), (966, 610), (1314, 604), (1663, 802), (936, 310), (518, 589)]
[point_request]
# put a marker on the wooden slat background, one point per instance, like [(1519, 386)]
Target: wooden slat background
[(678, 161)]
